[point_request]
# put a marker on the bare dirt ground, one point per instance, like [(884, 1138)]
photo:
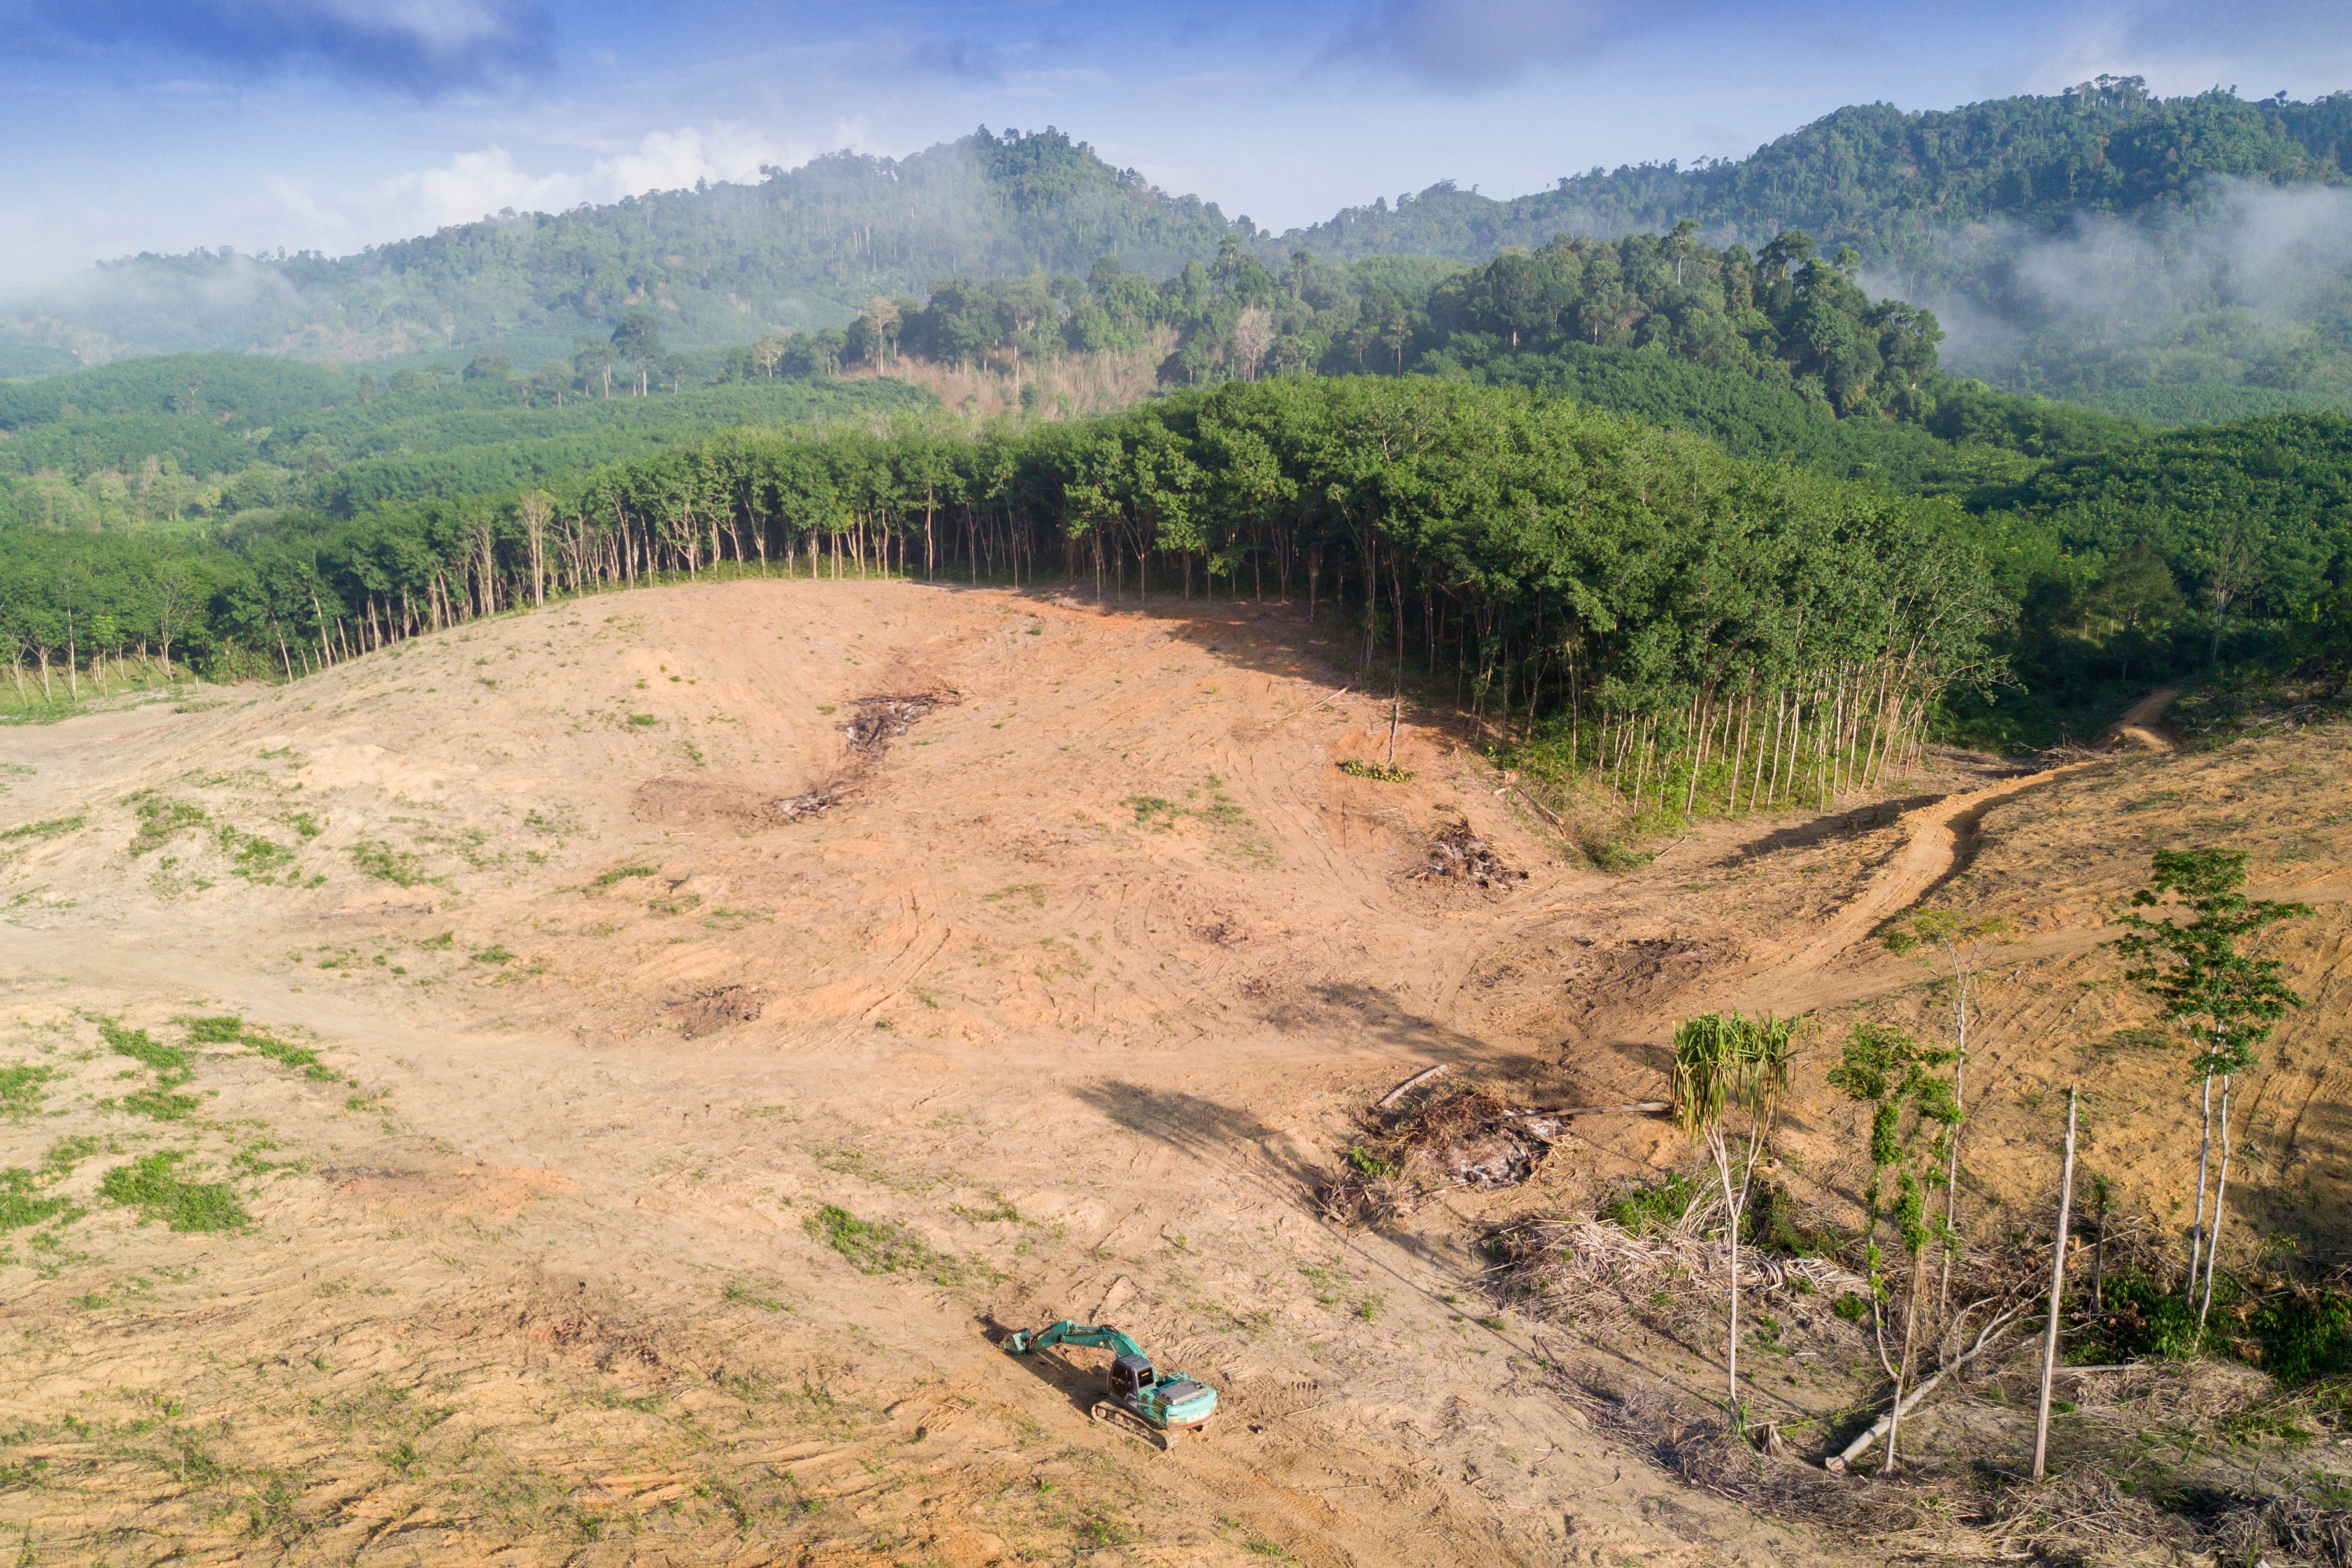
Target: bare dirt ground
[(710, 1054)]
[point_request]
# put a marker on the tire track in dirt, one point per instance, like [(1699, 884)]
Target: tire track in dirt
[(1938, 844)]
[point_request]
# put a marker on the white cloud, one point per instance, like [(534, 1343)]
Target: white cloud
[(474, 184)]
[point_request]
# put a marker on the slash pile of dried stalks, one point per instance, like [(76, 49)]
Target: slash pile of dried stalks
[(1558, 1265), (2081, 1516), (1469, 1137)]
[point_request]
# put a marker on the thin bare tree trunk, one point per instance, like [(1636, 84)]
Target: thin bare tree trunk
[(2057, 1291), (2220, 1186), (1910, 1360), (2197, 1234)]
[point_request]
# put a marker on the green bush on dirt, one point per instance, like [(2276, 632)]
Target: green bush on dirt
[(2305, 1337), (20, 1088), (140, 1046), (1774, 1224), (153, 1185), (19, 1205), (1639, 1211), (380, 860), (2141, 1322), (881, 1246)]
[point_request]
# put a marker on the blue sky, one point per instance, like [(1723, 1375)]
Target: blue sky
[(333, 124)]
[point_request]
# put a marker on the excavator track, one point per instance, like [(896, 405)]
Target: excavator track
[(1129, 1422)]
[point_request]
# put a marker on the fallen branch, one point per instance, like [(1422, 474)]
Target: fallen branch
[(1540, 806), (1878, 1429), (1319, 702), (1643, 1107), (1415, 1081)]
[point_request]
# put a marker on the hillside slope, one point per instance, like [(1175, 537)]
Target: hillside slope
[(802, 248), (719, 1027)]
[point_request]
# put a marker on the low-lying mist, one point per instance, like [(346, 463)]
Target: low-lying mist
[(2238, 301)]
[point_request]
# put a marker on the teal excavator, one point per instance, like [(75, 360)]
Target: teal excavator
[(1152, 1405)]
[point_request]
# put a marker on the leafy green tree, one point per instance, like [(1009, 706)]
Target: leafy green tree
[(1955, 945), (637, 341), (2224, 1000), (1915, 1119), (592, 361), (1730, 1071)]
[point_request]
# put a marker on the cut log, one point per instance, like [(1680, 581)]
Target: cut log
[(1878, 1429)]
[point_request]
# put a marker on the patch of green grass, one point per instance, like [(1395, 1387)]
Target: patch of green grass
[(622, 874), (1152, 812), (20, 1088), (253, 858), (161, 1104), (1641, 1210), (66, 1152), (225, 1029), (153, 1184), (158, 818), (1379, 772), (738, 1291), (1611, 857), (492, 954), (1096, 1530), (20, 1204), (140, 1046), (642, 720), (881, 1246), (380, 860), (285, 1054), (304, 825), (36, 830), (441, 943)]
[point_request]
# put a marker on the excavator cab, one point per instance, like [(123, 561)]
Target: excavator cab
[(1129, 1376)]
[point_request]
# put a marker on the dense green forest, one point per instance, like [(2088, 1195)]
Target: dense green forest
[(2101, 245), (2113, 554), (1893, 184), (203, 439), (1533, 556), (1781, 357), (1777, 355), (1663, 608)]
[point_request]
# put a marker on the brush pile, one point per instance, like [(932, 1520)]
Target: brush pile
[(1458, 854), (1470, 1137), (881, 719), (801, 807)]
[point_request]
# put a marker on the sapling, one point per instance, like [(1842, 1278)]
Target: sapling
[(2224, 1000), (1914, 1114), (1728, 1066), (1955, 946)]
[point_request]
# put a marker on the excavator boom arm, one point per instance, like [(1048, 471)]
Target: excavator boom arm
[(1067, 1332)]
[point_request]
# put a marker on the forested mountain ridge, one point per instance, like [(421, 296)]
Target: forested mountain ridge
[(807, 247), (1891, 182), (721, 263)]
